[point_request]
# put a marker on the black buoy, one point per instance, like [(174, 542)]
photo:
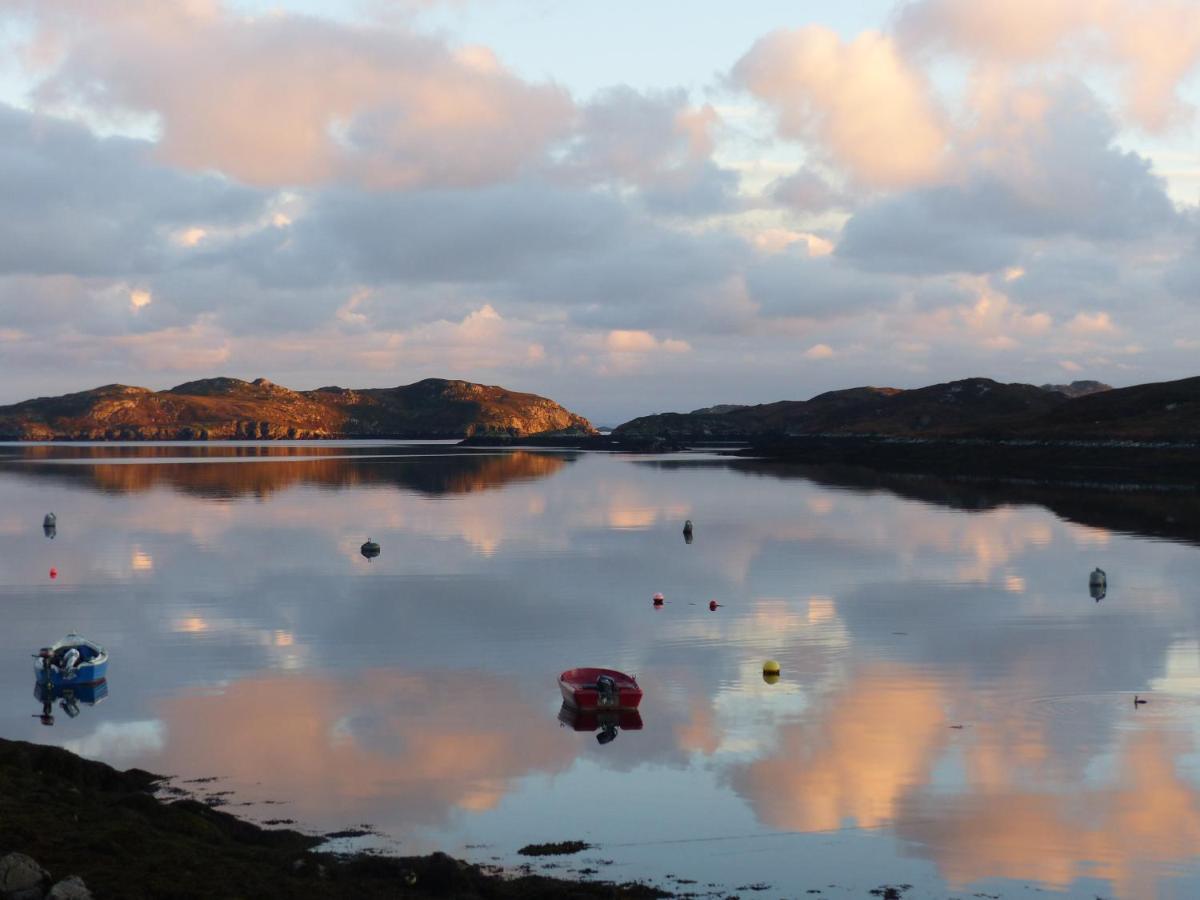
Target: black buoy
[(687, 531), (370, 549)]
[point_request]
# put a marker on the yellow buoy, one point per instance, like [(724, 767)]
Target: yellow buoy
[(771, 667), (770, 677)]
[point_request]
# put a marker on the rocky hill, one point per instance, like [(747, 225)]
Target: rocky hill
[(228, 408), (973, 407), (1078, 388)]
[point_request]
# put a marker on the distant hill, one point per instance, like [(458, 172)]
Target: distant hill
[(1165, 410), (972, 407), (229, 408), (1078, 388)]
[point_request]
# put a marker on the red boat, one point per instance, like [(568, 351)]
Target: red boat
[(599, 689)]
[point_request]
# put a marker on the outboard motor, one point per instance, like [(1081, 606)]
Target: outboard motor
[(606, 686), (607, 735), (70, 663)]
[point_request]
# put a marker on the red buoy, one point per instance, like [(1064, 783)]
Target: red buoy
[(54, 573), (713, 604)]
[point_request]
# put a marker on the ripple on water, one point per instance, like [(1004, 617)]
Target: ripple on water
[(1159, 706)]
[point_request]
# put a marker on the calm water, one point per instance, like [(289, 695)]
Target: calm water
[(955, 710)]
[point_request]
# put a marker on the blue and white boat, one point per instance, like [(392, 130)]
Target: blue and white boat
[(72, 661)]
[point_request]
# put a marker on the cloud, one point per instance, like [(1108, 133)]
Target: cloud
[(1151, 45), (198, 347), (821, 287), (436, 235), (286, 99), (820, 351), (1038, 162), (655, 141), (776, 240), (1088, 324), (621, 341), (73, 202), (806, 191), (859, 103)]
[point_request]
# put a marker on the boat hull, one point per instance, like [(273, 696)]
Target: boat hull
[(87, 673), (49, 663), (579, 689)]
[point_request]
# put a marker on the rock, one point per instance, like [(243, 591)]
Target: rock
[(224, 408), (71, 888), (21, 878)]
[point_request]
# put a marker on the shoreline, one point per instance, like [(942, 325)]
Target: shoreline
[(80, 817), (1057, 460)]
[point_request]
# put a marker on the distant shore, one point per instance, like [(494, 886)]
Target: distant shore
[(73, 816), (1053, 460), (1080, 462)]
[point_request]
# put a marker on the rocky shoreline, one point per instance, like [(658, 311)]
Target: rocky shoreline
[(71, 829)]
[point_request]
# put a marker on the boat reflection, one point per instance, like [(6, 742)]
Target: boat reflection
[(607, 721), (69, 698)]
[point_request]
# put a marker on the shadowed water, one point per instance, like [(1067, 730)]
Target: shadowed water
[(955, 710)]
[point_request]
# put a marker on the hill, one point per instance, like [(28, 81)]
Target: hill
[(1078, 388), (229, 408), (970, 408)]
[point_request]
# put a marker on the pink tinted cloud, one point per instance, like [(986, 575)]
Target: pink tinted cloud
[(286, 99), (1151, 44), (860, 102)]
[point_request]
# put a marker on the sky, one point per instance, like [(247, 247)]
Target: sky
[(630, 207)]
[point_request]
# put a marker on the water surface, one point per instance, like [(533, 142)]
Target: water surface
[(955, 710)]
